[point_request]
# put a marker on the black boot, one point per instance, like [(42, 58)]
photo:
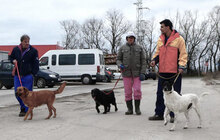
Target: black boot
[(156, 118), (130, 108), (137, 107), (22, 112)]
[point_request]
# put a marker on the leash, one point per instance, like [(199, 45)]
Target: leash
[(19, 77), (165, 78), (176, 77), (107, 93)]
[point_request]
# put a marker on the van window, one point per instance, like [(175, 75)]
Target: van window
[(86, 59), (54, 59), (43, 61), (67, 59), (101, 58)]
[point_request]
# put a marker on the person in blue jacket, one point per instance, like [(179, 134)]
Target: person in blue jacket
[(25, 57)]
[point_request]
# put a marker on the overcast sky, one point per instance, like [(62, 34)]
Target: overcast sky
[(40, 18)]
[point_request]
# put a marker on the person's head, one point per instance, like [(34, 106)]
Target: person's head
[(25, 41), (166, 26), (130, 37)]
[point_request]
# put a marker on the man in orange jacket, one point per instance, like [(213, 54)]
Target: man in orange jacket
[(172, 58)]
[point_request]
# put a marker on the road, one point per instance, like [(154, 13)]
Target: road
[(77, 118)]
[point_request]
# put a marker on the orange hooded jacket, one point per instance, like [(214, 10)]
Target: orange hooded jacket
[(172, 55)]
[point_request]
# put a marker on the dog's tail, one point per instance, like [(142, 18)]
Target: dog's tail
[(202, 95), (60, 89)]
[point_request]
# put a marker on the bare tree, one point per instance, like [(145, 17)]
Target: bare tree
[(72, 34), (193, 33), (204, 48), (92, 33), (116, 26), (150, 41), (215, 49)]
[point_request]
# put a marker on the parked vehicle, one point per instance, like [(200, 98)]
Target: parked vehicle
[(150, 74), (43, 78), (3, 55), (116, 75), (108, 75), (85, 65)]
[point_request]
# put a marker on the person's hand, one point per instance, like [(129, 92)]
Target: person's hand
[(142, 77), (152, 63), (122, 67), (180, 71), (14, 61)]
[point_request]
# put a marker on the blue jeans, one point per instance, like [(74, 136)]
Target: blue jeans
[(27, 81), (160, 106)]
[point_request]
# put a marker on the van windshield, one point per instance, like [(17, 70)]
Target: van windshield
[(43, 61)]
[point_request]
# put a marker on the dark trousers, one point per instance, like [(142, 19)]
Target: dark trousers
[(27, 81), (160, 106)]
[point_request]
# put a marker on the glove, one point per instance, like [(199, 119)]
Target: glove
[(142, 77), (122, 67)]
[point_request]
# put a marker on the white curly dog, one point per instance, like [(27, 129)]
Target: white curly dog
[(180, 103)]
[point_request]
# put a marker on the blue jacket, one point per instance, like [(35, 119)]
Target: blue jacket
[(28, 62)]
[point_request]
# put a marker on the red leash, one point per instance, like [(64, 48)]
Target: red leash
[(107, 93), (19, 77)]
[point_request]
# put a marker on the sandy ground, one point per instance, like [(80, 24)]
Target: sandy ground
[(77, 119)]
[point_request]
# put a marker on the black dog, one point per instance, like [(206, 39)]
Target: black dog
[(104, 98)]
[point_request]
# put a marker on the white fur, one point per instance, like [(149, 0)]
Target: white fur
[(177, 104)]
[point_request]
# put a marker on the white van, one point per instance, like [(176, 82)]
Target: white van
[(85, 65)]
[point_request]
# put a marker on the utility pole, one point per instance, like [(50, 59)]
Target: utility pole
[(139, 22)]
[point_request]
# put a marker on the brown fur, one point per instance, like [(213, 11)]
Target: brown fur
[(36, 98)]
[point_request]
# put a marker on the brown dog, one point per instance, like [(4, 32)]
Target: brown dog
[(36, 98)]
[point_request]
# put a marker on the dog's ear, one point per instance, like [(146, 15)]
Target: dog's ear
[(171, 82), (163, 83), (26, 91)]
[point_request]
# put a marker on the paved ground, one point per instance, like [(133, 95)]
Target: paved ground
[(77, 118)]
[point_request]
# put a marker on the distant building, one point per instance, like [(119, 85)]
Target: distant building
[(42, 49)]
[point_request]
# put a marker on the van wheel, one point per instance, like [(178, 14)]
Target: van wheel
[(41, 83), (86, 80)]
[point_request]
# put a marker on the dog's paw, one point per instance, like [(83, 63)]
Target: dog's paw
[(185, 127), (104, 113), (116, 110), (199, 127), (171, 129), (165, 122)]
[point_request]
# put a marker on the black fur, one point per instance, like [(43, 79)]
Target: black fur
[(104, 98), (189, 106)]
